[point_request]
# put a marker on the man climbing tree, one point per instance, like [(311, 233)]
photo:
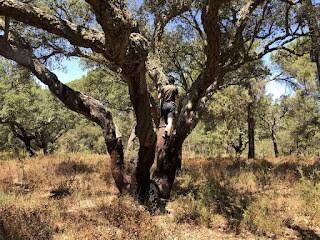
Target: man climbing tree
[(167, 99), (226, 33)]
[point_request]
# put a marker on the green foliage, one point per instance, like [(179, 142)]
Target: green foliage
[(301, 68), (302, 123), (225, 121), (105, 86), (84, 137), (27, 109)]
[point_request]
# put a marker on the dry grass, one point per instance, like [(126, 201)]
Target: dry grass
[(212, 199)]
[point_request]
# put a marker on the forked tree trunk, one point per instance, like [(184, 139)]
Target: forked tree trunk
[(122, 45), (168, 157), (19, 132)]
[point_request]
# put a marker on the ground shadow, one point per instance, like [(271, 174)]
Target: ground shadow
[(305, 234), (264, 167), (67, 168), (229, 203), (216, 193), (211, 182)]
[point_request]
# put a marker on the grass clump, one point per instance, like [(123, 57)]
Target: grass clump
[(131, 221), (190, 210), (17, 223), (263, 217), (309, 192), (5, 198)]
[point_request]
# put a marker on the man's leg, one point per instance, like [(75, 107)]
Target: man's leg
[(168, 128)]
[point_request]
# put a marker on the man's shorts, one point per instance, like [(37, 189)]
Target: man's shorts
[(168, 110)]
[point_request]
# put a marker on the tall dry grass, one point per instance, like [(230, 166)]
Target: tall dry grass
[(72, 196)]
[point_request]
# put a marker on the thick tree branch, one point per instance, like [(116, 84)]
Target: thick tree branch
[(237, 47), (117, 26), (244, 16), (189, 114), (163, 18), (33, 16)]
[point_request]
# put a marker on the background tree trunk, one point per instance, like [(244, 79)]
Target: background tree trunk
[(251, 121), (29, 149), (274, 140), (251, 126)]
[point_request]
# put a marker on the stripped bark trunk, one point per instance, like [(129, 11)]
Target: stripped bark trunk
[(168, 159)]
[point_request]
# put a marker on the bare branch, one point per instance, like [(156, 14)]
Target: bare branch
[(194, 23)]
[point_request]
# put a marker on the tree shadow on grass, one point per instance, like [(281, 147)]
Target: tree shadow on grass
[(305, 234), (67, 168), (218, 193), (264, 167), (228, 202)]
